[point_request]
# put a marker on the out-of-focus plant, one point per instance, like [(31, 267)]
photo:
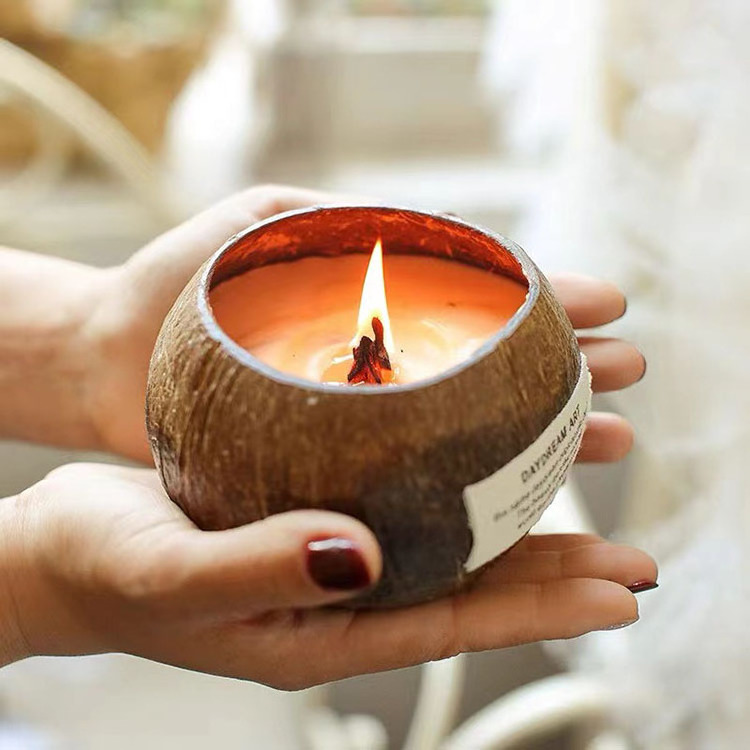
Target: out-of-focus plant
[(132, 56), (146, 18)]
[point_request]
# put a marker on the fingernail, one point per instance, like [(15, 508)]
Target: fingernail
[(621, 625), (337, 565), (624, 310), (640, 586), (645, 367)]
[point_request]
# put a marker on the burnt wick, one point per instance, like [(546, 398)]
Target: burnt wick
[(370, 358)]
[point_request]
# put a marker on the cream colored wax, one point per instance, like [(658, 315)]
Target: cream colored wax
[(299, 317)]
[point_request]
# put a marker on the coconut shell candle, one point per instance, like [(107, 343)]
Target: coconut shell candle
[(441, 402)]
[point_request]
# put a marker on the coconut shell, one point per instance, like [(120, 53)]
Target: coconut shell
[(236, 441)]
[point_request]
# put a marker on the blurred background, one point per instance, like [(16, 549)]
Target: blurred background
[(606, 136)]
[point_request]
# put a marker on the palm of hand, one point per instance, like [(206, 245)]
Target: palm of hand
[(143, 580)]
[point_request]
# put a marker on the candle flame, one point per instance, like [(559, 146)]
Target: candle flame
[(373, 303)]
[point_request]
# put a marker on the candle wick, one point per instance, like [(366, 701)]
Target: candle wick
[(370, 358)]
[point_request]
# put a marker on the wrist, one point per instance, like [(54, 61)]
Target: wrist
[(45, 596), (45, 309), (119, 337), (13, 643)]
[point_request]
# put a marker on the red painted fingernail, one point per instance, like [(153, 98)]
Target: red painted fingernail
[(640, 586), (337, 565)]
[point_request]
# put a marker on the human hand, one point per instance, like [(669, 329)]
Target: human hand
[(75, 341), (137, 296), (97, 559)]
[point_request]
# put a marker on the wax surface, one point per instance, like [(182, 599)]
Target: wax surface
[(299, 317)]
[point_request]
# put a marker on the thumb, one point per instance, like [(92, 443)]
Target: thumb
[(290, 560)]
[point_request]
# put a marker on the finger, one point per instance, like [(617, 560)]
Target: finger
[(264, 201), (607, 438), (557, 542), (291, 560), (614, 364), (589, 302), (491, 618), (611, 562)]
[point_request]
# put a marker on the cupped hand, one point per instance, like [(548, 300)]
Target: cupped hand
[(101, 561), (135, 298)]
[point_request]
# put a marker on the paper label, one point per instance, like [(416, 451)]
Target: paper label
[(506, 504)]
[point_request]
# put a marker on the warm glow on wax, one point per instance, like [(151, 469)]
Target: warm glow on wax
[(373, 303), (299, 316)]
